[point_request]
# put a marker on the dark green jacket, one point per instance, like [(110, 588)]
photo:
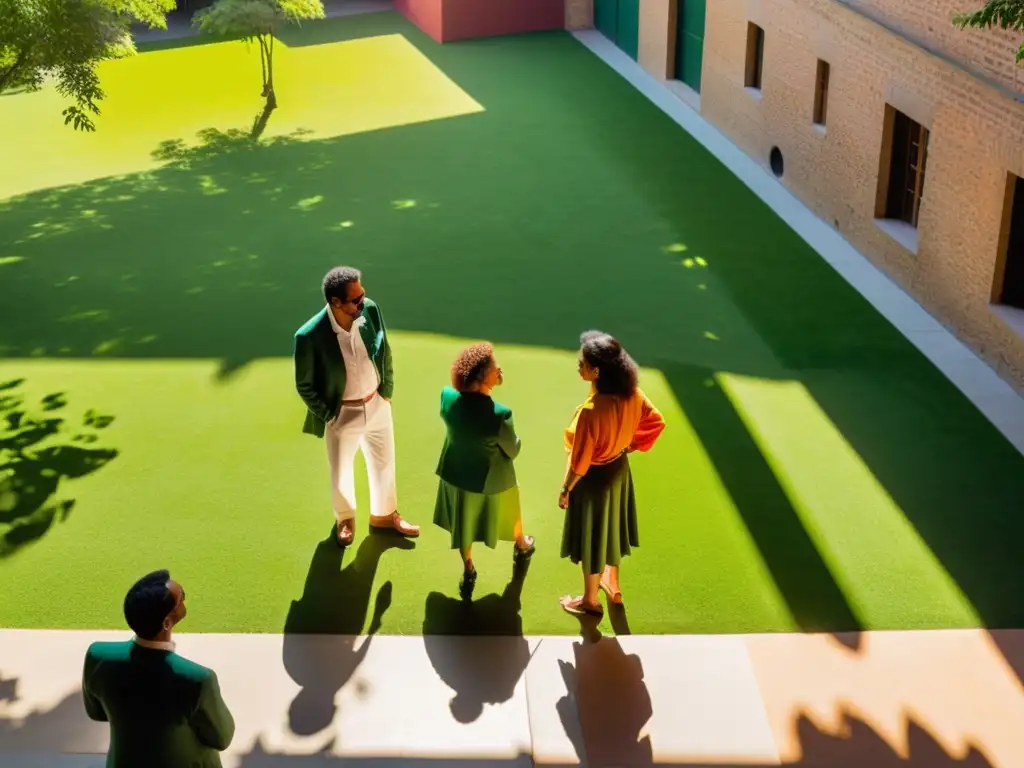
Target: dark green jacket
[(480, 444), (320, 369), (164, 710)]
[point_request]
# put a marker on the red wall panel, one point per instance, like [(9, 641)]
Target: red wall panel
[(447, 20)]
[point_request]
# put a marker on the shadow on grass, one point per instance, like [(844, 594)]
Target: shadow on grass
[(39, 451), (526, 223)]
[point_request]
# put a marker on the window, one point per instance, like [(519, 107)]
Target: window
[(1009, 287), (821, 93), (904, 156), (755, 56)]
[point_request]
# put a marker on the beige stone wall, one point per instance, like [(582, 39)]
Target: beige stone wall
[(657, 42), (579, 14), (977, 137), (990, 53)]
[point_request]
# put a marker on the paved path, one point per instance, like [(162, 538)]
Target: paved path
[(873, 699)]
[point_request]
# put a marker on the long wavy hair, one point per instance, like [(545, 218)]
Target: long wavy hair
[(617, 372)]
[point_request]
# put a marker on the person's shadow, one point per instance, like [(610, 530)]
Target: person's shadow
[(323, 626), (480, 671), (606, 690)]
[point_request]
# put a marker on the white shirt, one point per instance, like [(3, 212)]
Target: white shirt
[(361, 378), (153, 644)]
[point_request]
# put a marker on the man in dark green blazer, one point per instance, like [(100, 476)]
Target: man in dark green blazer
[(164, 710), (344, 375)]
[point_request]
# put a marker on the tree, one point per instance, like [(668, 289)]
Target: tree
[(64, 40), (1006, 14), (257, 20)]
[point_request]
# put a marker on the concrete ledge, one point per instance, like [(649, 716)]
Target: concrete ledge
[(508, 702)]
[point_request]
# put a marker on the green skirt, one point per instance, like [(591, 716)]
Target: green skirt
[(600, 523), (477, 517)]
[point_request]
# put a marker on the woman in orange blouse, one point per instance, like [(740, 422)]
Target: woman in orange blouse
[(600, 521)]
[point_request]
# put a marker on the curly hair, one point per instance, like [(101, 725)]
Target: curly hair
[(471, 366), (618, 372), (337, 281)]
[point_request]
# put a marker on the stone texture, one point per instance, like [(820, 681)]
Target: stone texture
[(976, 139)]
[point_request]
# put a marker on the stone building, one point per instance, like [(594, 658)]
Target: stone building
[(902, 131)]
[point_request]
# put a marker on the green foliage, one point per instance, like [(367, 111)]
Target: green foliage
[(1005, 14), (257, 20), (63, 40), (250, 19)]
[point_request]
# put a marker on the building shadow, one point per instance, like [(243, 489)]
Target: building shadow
[(479, 672), (321, 648), (805, 582), (39, 452)]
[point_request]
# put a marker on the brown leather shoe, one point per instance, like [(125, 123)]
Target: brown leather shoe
[(395, 523), (345, 533)]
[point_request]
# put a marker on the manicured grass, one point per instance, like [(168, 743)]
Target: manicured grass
[(817, 472)]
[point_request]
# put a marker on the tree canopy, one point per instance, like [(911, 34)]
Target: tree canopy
[(1005, 14), (257, 20), (64, 40)]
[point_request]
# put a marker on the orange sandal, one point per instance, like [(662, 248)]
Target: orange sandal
[(577, 607), (614, 596)]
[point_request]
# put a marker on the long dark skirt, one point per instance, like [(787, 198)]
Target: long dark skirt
[(600, 523)]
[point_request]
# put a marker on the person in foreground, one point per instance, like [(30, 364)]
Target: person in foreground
[(164, 710), (616, 419), (477, 495), (344, 375)]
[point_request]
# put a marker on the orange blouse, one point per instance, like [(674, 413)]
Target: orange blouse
[(606, 425)]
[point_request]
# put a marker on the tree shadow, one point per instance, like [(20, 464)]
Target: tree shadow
[(320, 651), (855, 743), (480, 672), (38, 451)]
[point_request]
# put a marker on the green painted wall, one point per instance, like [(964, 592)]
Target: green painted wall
[(629, 27), (619, 21), (690, 41), (606, 18)]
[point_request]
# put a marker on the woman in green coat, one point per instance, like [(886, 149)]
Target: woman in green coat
[(478, 497)]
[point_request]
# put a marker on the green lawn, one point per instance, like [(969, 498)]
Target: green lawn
[(817, 471)]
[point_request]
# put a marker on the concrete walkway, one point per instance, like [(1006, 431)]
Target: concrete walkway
[(930, 699)]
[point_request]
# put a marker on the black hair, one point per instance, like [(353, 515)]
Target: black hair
[(617, 371), (471, 366), (337, 281), (148, 603)]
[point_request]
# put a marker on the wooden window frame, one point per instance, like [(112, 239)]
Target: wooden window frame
[(754, 75), (821, 85)]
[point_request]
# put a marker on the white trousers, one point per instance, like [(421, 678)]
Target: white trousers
[(367, 427)]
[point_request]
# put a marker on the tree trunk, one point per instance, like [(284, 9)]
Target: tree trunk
[(271, 96), (263, 68)]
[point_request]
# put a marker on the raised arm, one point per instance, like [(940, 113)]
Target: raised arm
[(650, 427), (508, 440), (305, 368), (212, 722)]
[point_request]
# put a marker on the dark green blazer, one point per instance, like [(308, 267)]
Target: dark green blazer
[(320, 369), (480, 443), (164, 710)]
